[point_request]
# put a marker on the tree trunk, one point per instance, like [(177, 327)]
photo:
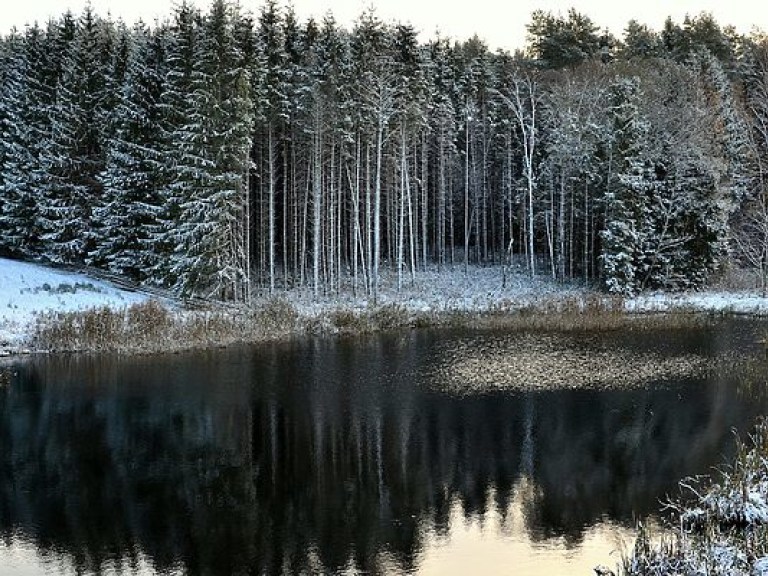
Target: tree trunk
[(271, 209), (317, 199), (377, 210)]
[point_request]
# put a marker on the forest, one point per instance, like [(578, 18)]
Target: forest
[(226, 154)]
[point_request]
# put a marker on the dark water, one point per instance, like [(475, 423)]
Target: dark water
[(425, 452)]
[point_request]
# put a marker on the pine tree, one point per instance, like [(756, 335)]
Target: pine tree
[(64, 204), (443, 127), (667, 208), (210, 256), (377, 95), (625, 207), (640, 42), (17, 208), (275, 109), (176, 175), (557, 42), (733, 135), (131, 196)]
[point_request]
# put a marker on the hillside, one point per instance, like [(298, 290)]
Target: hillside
[(27, 290)]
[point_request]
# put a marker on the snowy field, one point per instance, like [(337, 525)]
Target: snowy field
[(29, 289), (483, 289)]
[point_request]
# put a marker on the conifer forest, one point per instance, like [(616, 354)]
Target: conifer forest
[(223, 153)]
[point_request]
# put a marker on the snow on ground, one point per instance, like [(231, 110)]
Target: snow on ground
[(29, 289), (482, 288), (478, 289), (705, 301)]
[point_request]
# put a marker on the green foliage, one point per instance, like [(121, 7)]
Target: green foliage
[(666, 210), (558, 42), (640, 42)]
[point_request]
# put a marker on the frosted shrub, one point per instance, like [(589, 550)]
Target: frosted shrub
[(723, 529), (345, 319), (277, 314), (148, 320), (95, 329), (391, 316)]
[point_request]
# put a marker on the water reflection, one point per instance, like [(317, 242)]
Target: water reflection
[(356, 455)]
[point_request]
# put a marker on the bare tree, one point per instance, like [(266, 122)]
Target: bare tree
[(379, 96), (522, 97), (750, 236), (573, 107), (750, 239)]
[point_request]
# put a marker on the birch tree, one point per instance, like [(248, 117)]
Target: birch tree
[(522, 95)]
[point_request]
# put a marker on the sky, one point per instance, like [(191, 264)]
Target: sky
[(501, 23)]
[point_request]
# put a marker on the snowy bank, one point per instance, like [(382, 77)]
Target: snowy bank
[(720, 527), (27, 290), (704, 301), (32, 296), (485, 289), (450, 289)]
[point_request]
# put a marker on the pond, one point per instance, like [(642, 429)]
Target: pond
[(426, 452)]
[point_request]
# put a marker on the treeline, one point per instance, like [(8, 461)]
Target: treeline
[(217, 153)]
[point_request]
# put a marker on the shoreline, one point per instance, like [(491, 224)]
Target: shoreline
[(718, 521), (149, 327), (43, 310)]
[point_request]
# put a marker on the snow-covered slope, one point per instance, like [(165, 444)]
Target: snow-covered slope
[(29, 289)]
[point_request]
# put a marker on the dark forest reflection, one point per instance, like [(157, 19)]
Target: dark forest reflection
[(329, 453)]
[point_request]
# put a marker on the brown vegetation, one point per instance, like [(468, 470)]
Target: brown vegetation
[(153, 327)]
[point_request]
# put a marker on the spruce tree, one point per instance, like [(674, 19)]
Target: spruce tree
[(625, 208), (16, 202), (177, 173), (210, 255), (130, 178), (64, 206)]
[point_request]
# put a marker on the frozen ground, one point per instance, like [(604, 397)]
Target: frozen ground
[(483, 289), (450, 289), (29, 289), (705, 301)]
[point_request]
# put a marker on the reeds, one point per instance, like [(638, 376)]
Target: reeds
[(154, 327)]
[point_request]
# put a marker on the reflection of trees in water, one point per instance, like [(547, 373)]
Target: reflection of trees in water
[(334, 453)]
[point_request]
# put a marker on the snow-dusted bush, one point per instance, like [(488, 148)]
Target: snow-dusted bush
[(390, 317), (276, 314), (722, 522)]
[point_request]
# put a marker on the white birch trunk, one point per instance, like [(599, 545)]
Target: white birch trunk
[(271, 209)]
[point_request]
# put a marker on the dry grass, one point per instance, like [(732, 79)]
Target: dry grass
[(373, 319), (578, 314), (153, 327)]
